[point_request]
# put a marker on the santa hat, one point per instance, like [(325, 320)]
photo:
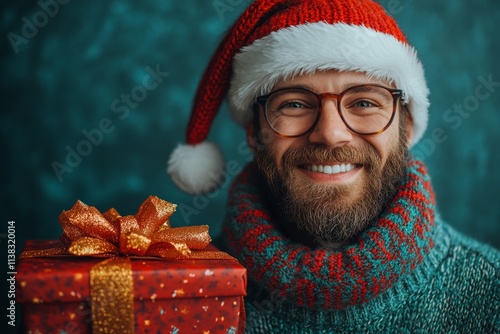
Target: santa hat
[(278, 39)]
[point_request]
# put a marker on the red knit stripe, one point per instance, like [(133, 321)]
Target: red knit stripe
[(252, 235), (263, 245), (336, 272), (305, 292), (392, 227), (377, 238), (376, 285), (317, 261), (362, 294), (354, 298)]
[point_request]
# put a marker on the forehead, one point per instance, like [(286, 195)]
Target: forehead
[(331, 80)]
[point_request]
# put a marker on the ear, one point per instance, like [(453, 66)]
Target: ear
[(250, 132), (250, 127), (409, 127)]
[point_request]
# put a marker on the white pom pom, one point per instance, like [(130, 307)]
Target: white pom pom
[(196, 169)]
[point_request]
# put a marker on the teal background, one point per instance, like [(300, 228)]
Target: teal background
[(66, 78)]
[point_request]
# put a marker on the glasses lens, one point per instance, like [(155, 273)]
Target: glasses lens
[(291, 112), (367, 109)]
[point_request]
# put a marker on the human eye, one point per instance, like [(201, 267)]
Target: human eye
[(364, 104), (295, 108), (292, 103), (367, 101)]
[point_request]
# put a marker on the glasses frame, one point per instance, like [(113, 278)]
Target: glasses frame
[(396, 95)]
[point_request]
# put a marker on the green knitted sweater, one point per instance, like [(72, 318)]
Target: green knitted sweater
[(455, 290)]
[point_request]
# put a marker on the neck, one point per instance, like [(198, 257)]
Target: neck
[(332, 245)]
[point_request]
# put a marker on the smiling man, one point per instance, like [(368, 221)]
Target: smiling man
[(334, 219)]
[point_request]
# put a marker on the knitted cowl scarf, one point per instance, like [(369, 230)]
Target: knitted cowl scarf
[(318, 278)]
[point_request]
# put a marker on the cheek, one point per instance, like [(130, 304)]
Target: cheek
[(269, 143), (385, 142), (279, 146)]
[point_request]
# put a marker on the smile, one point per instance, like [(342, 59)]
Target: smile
[(331, 169)]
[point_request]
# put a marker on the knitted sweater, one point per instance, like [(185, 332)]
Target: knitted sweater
[(405, 274)]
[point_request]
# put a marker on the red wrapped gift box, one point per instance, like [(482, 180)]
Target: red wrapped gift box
[(181, 296)]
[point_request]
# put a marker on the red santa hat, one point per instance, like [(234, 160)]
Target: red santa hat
[(278, 39)]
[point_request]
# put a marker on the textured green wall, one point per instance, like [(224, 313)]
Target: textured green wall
[(73, 73)]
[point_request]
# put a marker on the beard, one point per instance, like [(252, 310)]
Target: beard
[(331, 213)]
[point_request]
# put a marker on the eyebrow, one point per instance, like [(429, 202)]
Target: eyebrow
[(294, 86), (312, 89)]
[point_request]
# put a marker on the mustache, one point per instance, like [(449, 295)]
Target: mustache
[(367, 156)]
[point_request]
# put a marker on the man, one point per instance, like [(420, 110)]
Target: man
[(334, 220)]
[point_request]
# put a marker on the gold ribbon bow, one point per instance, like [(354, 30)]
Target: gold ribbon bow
[(87, 232)]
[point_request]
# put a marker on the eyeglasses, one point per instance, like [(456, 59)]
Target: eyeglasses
[(364, 109)]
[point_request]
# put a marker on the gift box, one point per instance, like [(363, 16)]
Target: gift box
[(185, 296), (110, 289)]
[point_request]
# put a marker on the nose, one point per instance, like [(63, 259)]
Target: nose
[(331, 129)]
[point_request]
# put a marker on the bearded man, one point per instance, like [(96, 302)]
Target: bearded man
[(334, 220)]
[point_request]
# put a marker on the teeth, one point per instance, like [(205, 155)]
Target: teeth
[(334, 169)]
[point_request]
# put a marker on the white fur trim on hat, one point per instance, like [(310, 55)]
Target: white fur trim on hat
[(304, 49), (196, 169)]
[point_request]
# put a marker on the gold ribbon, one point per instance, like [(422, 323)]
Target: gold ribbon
[(111, 299), (87, 232)]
